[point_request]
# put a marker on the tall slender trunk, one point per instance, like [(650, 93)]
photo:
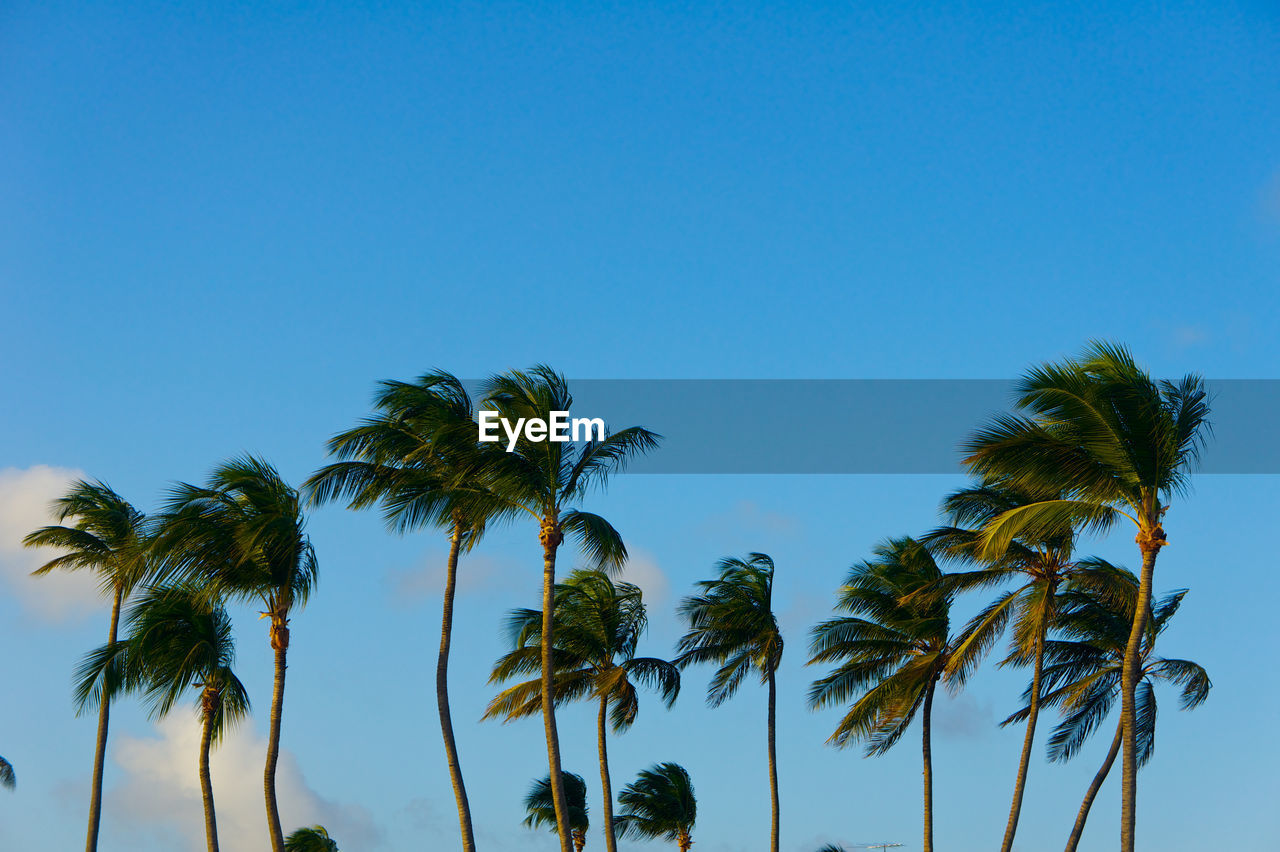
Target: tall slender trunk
[(1092, 793), (442, 694), (551, 537), (280, 643), (773, 761), (926, 726), (1150, 544), (610, 842), (209, 707), (100, 749), (1033, 713)]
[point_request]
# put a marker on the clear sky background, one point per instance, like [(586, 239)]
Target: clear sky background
[(221, 224)]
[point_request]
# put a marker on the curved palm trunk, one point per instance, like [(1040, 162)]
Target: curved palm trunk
[(1092, 793), (280, 643), (442, 695), (551, 538), (926, 726), (100, 749), (1150, 544), (610, 842), (206, 781), (1033, 714), (773, 761)]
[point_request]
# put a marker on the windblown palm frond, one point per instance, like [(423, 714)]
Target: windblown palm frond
[(659, 805), (537, 802), (314, 838), (890, 649), (598, 625), (732, 625)]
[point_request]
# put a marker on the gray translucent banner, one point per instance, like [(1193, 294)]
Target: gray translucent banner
[(868, 425)]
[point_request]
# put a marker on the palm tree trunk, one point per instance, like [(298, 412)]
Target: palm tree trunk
[(926, 726), (1150, 544), (280, 643), (1092, 793), (1033, 714), (610, 842), (206, 782), (684, 840), (442, 694), (100, 749), (773, 761), (551, 538)]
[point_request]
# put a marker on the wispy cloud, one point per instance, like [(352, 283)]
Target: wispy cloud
[(25, 495), (643, 570), (963, 716), (478, 573), (747, 515), (1186, 336), (159, 797)]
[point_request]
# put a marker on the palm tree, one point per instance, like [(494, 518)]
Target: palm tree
[(417, 457), (243, 536), (545, 479), (598, 625), (892, 649), (1086, 668), (311, 839), (1041, 561), (177, 639), (7, 778), (731, 624), (1114, 443), (101, 532), (659, 805), (542, 812)]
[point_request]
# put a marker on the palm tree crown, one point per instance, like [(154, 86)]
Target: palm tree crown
[(541, 810), (1099, 433), (546, 478), (100, 532), (890, 650), (242, 535), (731, 623), (313, 838), (176, 639), (659, 805), (598, 625)]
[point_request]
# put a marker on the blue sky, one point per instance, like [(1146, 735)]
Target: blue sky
[(221, 224)]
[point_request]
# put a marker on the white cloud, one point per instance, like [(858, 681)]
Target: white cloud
[(477, 572), (159, 798), (643, 570), (748, 515), (963, 716), (25, 495)]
